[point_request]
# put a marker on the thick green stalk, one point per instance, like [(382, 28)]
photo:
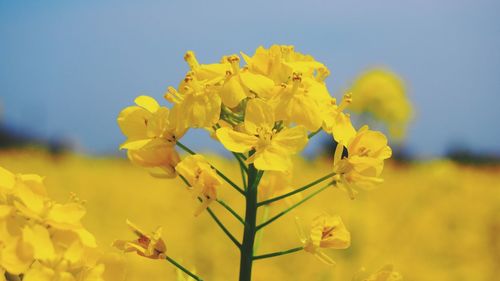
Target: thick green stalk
[(246, 250)]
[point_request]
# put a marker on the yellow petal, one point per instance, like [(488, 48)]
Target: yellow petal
[(299, 109), (133, 121), (342, 129), (148, 103), (38, 238), (12, 258), (39, 273), (257, 84), (258, 114), (292, 139), (236, 141), (232, 93), (272, 158), (65, 216)]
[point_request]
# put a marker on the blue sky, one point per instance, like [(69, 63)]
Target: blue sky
[(68, 67)]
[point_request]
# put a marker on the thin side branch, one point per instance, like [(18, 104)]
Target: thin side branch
[(276, 254), (262, 225), (305, 187)]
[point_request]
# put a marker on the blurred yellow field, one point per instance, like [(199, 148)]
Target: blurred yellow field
[(432, 221)]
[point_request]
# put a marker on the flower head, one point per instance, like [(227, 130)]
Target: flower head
[(299, 102), (201, 177), (242, 83), (364, 162), (273, 148), (326, 232), (147, 245), (280, 61), (152, 132), (41, 239)]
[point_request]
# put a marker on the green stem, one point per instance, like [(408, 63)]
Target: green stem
[(246, 250), (275, 254), (216, 219), (243, 168), (224, 229), (176, 264), (233, 212), (305, 187), (224, 177), (260, 226)]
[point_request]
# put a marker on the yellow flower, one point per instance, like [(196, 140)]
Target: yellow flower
[(147, 245), (326, 232), (386, 273), (201, 177), (300, 102), (273, 148), (336, 122), (198, 102), (366, 152), (211, 73), (152, 132), (275, 183), (280, 61), (382, 94), (241, 83), (41, 239), (198, 98)]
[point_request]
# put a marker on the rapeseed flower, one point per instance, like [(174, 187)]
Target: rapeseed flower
[(152, 132), (327, 232), (42, 240), (366, 152), (242, 83), (201, 177), (273, 148), (147, 245)]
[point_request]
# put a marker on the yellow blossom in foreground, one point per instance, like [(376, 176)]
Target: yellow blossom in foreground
[(273, 148), (280, 61), (300, 102), (201, 177), (43, 240), (147, 245), (366, 152), (211, 73), (326, 232), (198, 102), (152, 132), (335, 121), (241, 83), (382, 94)]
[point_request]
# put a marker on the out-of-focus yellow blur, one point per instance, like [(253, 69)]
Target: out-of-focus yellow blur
[(433, 221)]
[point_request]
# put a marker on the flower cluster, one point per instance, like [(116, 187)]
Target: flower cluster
[(266, 107), (43, 240), (264, 112)]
